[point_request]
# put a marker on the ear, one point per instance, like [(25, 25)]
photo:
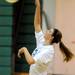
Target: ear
[(52, 37)]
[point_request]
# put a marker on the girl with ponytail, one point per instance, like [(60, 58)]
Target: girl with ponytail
[(64, 50), (43, 54)]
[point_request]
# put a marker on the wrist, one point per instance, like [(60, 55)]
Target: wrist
[(24, 50), (38, 6)]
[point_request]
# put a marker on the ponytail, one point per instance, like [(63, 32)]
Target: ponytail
[(65, 51)]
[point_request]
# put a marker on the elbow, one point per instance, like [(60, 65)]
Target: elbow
[(31, 62)]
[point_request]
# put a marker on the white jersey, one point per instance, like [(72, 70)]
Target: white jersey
[(43, 56)]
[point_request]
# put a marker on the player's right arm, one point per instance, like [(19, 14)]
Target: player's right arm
[(37, 18)]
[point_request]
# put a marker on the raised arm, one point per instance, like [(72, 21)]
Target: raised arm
[(37, 18)]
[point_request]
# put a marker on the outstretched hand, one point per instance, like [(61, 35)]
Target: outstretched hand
[(21, 51)]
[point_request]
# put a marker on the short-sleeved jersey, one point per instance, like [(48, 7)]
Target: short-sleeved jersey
[(43, 56)]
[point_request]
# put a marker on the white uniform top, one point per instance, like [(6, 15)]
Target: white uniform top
[(43, 55)]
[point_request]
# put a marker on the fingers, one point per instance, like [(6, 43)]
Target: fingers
[(19, 55), (19, 52)]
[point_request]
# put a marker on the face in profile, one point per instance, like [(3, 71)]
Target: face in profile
[(48, 35)]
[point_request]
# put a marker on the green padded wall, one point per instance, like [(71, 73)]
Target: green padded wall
[(24, 31), (24, 16), (5, 38)]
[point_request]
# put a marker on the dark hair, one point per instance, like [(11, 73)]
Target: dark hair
[(65, 51)]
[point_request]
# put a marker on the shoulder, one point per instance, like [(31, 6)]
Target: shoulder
[(39, 33)]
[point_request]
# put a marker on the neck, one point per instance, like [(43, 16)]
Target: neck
[(47, 43)]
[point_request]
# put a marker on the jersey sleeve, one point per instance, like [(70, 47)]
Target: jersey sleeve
[(38, 34), (39, 38)]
